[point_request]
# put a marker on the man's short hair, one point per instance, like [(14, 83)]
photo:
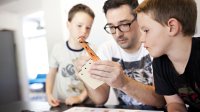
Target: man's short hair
[(111, 4), (185, 11)]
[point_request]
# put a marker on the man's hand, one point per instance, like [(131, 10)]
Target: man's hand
[(109, 72), (79, 62), (52, 101)]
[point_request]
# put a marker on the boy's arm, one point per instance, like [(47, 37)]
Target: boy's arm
[(49, 86), (175, 104), (50, 80), (96, 97), (76, 99), (83, 95)]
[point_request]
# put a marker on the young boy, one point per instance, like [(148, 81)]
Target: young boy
[(62, 86), (167, 28)]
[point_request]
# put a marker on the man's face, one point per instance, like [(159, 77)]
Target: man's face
[(80, 25), (127, 40), (154, 36)]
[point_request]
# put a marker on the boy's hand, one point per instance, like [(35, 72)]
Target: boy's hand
[(52, 101), (73, 100)]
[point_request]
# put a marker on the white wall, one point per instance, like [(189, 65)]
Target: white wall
[(53, 22), (198, 19)]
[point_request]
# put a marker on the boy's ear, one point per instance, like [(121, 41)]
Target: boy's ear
[(174, 26)]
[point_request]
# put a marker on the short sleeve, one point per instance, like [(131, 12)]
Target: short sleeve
[(53, 63)]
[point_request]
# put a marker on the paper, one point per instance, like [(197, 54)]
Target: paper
[(89, 109), (84, 75)]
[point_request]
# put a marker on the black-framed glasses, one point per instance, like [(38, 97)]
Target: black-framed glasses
[(122, 27)]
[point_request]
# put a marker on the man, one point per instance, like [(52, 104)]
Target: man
[(167, 28), (128, 70)]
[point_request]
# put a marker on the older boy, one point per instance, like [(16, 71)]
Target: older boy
[(167, 28)]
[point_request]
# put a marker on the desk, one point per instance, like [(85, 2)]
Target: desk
[(21, 106)]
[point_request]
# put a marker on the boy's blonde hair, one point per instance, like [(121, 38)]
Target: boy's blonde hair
[(185, 11)]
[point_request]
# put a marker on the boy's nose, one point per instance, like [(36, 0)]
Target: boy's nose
[(83, 32), (142, 38)]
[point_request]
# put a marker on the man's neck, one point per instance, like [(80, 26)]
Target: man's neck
[(133, 49)]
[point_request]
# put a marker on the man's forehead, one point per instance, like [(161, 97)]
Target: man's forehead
[(118, 20), (120, 14)]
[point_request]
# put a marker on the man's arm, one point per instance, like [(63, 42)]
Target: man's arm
[(175, 104), (99, 95), (112, 74), (143, 93)]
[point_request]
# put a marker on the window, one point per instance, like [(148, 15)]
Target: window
[(35, 45)]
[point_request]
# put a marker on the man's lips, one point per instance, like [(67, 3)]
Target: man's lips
[(122, 40)]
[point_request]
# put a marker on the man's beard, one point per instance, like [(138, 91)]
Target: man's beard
[(128, 45)]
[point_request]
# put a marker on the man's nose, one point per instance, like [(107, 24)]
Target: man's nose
[(118, 32)]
